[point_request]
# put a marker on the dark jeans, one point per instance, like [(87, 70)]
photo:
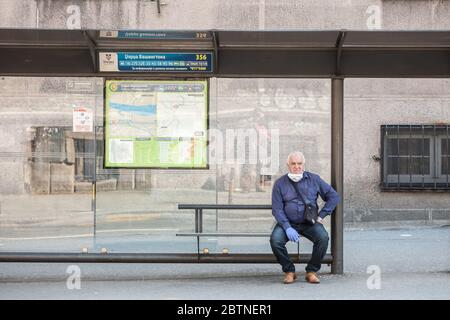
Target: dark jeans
[(316, 233)]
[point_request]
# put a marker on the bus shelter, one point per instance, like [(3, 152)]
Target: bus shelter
[(204, 54)]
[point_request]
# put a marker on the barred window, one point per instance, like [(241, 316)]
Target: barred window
[(415, 157)]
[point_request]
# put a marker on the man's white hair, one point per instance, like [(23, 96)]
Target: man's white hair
[(296, 153)]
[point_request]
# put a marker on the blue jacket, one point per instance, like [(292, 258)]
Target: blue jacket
[(287, 207)]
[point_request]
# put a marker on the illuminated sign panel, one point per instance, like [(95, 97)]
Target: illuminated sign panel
[(156, 124)]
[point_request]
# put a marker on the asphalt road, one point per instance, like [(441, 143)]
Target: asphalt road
[(403, 263)]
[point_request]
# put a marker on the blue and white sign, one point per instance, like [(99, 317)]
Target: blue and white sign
[(197, 62), (155, 35)]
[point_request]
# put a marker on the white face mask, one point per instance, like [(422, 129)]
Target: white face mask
[(296, 177)]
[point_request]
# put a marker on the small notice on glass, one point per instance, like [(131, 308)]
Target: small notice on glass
[(82, 119)]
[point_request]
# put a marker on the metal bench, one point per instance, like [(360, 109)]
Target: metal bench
[(198, 257), (236, 257)]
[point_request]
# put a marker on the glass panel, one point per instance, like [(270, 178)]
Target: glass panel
[(137, 209), (392, 165), (51, 159), (407, 166), (253, 125), (445, 147), (278, 117), (445, 156), (415, 166), (414, 146), (408, 146), (392, 146), (44, 205), (445, 165)]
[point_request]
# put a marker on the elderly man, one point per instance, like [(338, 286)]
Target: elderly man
[(288, 209)]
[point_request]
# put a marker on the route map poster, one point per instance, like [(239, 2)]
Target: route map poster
[(156, 124)]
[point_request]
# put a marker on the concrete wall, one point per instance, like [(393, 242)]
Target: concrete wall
[(230, 14)]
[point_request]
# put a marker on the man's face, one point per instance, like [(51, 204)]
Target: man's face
[(296, 165)]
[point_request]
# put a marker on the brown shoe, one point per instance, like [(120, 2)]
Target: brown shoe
[(312, 277), (289, 277)]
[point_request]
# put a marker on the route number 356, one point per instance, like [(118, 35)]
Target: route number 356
[(200, 57)]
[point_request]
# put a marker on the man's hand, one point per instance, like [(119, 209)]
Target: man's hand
[(320, 220), (292, 234)]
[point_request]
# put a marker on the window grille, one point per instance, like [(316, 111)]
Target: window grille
[(415, 157)]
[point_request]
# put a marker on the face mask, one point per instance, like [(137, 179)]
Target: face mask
[(296, 177)]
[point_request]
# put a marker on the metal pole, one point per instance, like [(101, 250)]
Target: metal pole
[(94, 178), (337, 173), (200, 220), (196, 228)]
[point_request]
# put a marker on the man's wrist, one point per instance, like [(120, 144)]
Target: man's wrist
[(286, 226), (323, 214)]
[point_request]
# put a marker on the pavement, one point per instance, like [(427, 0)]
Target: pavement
[(402, 262)]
